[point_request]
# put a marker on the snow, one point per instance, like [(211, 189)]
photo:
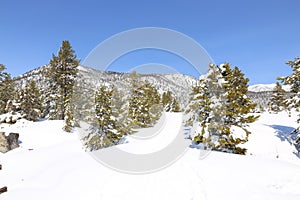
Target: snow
[(51, 164), (266, 87), (238, 132), (270, 137)]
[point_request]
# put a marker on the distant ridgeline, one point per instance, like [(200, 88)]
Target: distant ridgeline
[(263, 98), (180, 85)]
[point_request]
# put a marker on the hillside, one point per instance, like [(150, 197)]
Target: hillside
[(51, 164), (89, 79)]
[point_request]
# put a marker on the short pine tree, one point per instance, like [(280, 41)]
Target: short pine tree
[(169, 102), (144, 105), (29, 102), (278, 99), (7, 89), (106, 130), (219, 105)]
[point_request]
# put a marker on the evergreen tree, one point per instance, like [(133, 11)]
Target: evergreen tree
[(278, 99), (166, 100), (7, 89), (221, 106), (29, 102), (169, 102), (120, 111), (175, 105), (107, 132), (238, 104), (294, 81), (294, 101), (62, 73), (144, 105)]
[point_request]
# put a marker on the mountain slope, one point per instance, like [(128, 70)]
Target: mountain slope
[(266, 87), (180, 85), (58, 168)]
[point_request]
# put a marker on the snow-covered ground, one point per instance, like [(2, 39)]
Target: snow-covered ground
[(51, 164)]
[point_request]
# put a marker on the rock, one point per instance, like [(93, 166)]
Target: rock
[(3, 189), (9, 142)]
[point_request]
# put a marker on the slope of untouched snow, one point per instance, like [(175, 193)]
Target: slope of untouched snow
[(266, 87), (58, 168), (270, 137)]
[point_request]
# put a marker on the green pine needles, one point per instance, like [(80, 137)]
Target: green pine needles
[(220, 108)]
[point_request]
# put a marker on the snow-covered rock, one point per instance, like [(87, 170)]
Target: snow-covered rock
[(9, 142)]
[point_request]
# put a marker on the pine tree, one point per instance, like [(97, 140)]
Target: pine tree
[(166, 100), (175, 105), (220, 105), (169, 102), (278, 98), (29, 102), (7, 89), (294, 101), (107, 132), (144, 105), (206, 108), (63, 72), (294, 81), (238, 105), (120, 111)]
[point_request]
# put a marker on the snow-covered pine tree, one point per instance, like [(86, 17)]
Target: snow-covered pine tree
[(7, 89), (294, 101), (238, 107), (166, 100), (120, 111), (29, 102), (294, 81), (278, 98), (106, 132), (144, 105), (175, 105), (220, 108), (169, 102), (62, 73), (206, 110)]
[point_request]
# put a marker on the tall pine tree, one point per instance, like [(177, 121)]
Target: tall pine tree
[(293, 102), (63, 72), (293, 80)]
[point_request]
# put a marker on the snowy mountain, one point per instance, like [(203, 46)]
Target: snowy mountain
[(266, 87), (180, 85)]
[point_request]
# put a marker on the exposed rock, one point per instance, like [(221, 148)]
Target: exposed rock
[(9, 142), (3, 189)]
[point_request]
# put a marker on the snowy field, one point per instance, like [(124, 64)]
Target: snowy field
[(51, 164)]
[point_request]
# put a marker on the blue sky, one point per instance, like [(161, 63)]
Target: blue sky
[(257, 36)]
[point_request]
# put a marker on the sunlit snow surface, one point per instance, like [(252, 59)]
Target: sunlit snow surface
[(51, 164)]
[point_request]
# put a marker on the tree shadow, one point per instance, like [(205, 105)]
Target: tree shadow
[(285, 133)]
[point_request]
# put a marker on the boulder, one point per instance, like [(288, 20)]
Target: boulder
[(9, 142)]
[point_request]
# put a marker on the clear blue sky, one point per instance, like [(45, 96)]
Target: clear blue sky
[(258, 36)]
